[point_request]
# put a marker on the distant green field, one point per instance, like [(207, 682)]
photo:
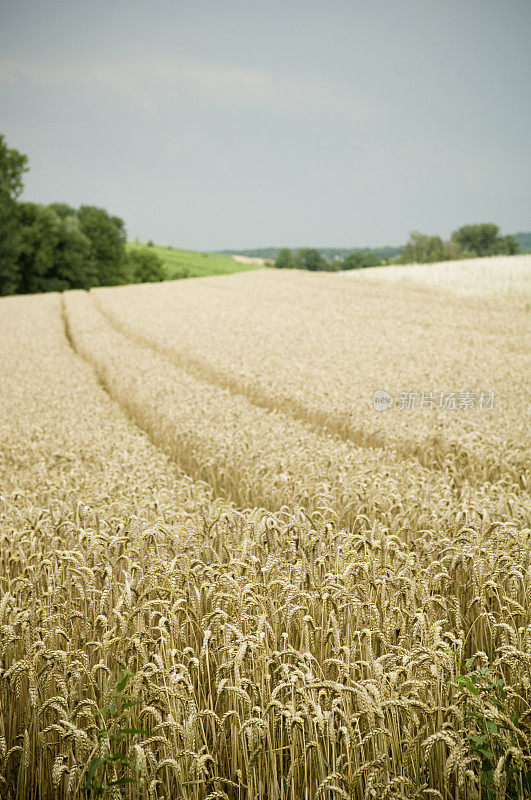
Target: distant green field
[(193, 264)]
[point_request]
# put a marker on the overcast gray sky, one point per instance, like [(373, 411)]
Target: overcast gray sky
[(216, 124)]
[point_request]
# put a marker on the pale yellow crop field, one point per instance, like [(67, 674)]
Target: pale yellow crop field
[(317, 346), (508, 275), (314, 598)]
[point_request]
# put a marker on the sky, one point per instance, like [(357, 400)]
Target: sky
[(239, 124)]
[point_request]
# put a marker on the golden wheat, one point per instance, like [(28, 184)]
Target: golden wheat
[(317, 347), (303, 617)]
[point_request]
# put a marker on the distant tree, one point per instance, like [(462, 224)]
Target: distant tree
[(13, 165), (55, 254), (39, 235), (483, 239), (146, 266), (507, 246), (284, 259), (360, 259), (311, 259), (333, 265), (9, 248), (423, 249), (74, 265), (108, 237)]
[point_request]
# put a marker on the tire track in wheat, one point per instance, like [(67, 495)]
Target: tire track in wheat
[(434, 452), (256, 458)]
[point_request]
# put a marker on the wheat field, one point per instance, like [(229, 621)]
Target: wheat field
[(508, 275), (224, 574)]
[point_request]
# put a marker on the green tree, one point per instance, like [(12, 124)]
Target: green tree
[(483, 239), (55, 254), (311, 259), (107, 236), (13, 165), (74, 266), (360, 259), (423, 249), (507, 245), (9, 248), (284, 259), (146, 266), (39, 235)]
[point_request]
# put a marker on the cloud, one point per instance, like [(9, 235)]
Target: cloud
[(151, 83)]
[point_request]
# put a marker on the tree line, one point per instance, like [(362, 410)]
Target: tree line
[(55, 247), (312, 259), (50, 248), (468, 241)]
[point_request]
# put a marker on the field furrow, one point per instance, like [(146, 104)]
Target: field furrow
[(323, 363), (258, 458), (355, 637)]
